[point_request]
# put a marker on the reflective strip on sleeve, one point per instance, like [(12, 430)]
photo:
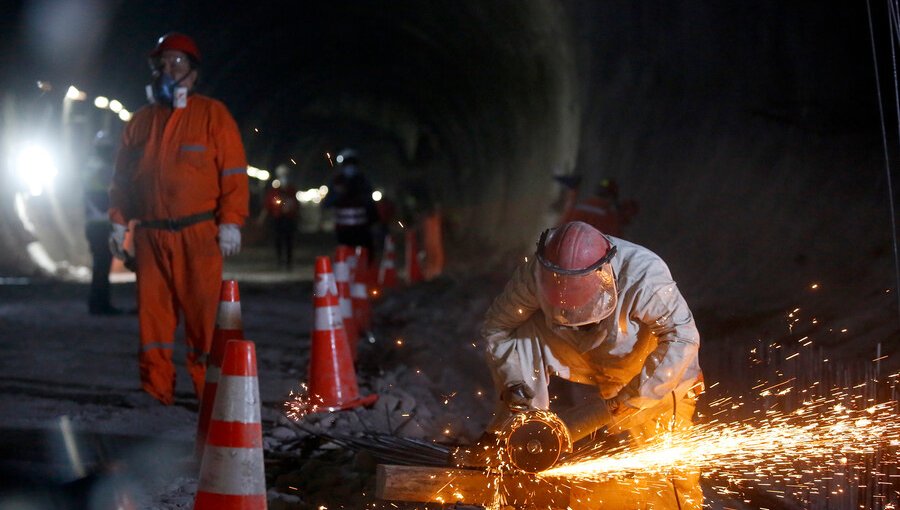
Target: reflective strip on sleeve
[(236, 471), (328, 317), (234, 171), (242, 402), (193, 148)]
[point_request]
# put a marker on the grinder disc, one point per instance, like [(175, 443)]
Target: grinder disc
[(535, 441)]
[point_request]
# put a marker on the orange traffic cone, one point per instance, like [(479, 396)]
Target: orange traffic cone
[(387, 273), (332, 382), (342, 277), (352, 259), (228, 327), (359, 292), (413, 270), (232, 474)]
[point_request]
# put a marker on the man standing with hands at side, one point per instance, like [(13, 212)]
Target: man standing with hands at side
[(181, 172)]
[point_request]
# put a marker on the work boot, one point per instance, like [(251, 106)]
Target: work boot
[(484, 453)]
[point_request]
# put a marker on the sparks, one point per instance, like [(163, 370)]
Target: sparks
[(824, 438)]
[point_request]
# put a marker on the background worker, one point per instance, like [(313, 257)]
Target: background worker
[(603, 209), (350, 197), (599, 311), (182, 173), (422, 215), (282, 213), (97, 225)]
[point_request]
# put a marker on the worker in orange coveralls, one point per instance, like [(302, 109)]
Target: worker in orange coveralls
[(182, 173), (605, 315), (282, 211), (602, 209)]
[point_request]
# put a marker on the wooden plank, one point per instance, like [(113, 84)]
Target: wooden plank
[(466, 486)]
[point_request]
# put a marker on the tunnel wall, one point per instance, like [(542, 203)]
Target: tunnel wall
[(747, 133), (749, 136)]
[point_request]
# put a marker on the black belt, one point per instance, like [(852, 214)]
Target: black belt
[(176, 224)]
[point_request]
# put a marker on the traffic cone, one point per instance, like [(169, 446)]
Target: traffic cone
[(387, 273), (228, 327), (232, 474), (332, 382), (413, 270), (342, 277), (352, 263), (359, 292)]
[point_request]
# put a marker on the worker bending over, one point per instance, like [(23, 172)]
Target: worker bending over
[(600, 311)]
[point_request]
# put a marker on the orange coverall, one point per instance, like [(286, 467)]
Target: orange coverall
[(606, 214), (174, 164)]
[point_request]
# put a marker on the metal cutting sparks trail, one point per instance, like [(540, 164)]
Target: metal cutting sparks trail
[(799, 450)]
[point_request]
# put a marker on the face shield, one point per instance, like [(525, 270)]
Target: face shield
[(576, 297)]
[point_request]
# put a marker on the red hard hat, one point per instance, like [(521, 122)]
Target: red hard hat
[(178, 42), (576, 285)]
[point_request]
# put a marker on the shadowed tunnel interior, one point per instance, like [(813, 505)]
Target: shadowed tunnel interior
[(748, 134)]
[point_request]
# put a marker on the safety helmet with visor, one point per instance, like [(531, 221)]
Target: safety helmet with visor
[(575, 281)]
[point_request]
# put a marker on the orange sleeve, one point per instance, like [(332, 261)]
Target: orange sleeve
[(234, 200)]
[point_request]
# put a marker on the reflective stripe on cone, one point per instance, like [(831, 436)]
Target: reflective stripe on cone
[(332, 381), (232, 474), (229, 326), (342, 278), (387, 272), (359, 292)]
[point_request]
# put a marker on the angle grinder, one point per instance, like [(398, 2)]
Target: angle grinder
[(533, 440)]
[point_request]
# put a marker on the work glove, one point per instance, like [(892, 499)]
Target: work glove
[(229, 239), (517, 397), (117, 241), (584, 419)]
